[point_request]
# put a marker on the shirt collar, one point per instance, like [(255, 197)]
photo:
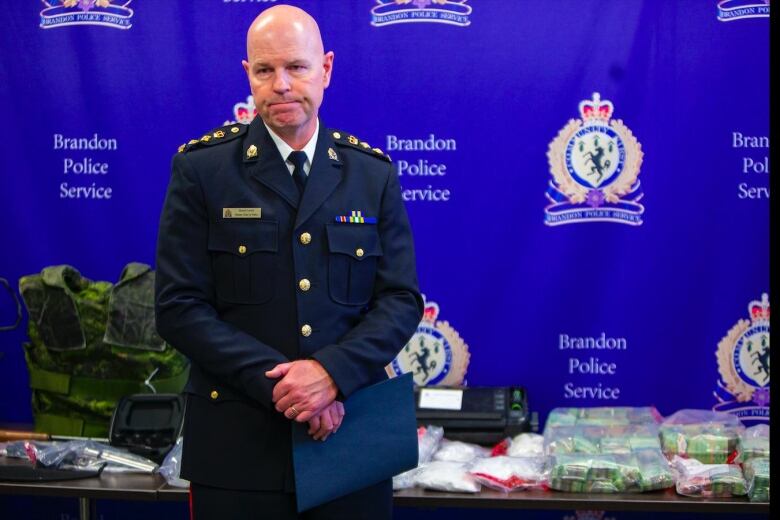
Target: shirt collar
[(285, 149)]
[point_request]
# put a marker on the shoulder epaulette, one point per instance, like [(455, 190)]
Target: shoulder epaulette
[(349, 140), (219, 135)]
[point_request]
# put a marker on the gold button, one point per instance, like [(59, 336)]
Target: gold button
[(242, 249), (337, 135), (214, 394), (219, 133), (304, 284), (234, 130), (206, 138), (305, 238), (359, 252), (306, 330), (353, 140)]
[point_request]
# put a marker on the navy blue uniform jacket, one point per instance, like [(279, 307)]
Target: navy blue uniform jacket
[(228, 293)]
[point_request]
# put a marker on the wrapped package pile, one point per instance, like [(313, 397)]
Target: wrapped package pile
[(697, 479), (455, 466), (707, 436), (603, 416), (505, 473), (606, 450), (700, 453), (449, 468), (757, 477), (755, 443), (755, 462)]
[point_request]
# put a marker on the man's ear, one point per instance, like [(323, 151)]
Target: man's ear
[(327, 66)]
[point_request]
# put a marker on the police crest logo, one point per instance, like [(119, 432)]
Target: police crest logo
[(730, 10), (743, 363), (435, 354), (106, 13), (594, 162), (451, 12), (243, 112)]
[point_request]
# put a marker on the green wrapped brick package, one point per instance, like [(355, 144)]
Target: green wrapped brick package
[(645, 470), (757, 475), (707, 436), (602, 416), (696, 479), (606, 450), (755, 443)]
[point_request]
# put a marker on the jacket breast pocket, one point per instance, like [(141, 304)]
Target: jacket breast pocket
[(244, 256), (354, 252)]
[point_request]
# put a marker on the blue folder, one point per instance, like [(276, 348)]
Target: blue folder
[(376, 440)]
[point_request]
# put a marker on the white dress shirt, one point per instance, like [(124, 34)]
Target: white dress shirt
[(285, 149)]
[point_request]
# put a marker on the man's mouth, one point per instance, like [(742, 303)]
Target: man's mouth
[(283, 104)]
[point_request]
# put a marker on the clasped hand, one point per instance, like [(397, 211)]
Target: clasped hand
[(306, 393)]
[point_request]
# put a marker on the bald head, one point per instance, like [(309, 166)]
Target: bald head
[(288, 71), (284, 22)]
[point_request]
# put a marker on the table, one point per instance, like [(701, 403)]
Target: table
[(109, 486), (128, 486)]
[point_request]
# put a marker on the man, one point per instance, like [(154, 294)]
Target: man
[(286, 274)]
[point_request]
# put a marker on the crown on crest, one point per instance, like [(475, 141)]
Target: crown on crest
[(245, 112), (596, 110), (430, 311), (759, 310)]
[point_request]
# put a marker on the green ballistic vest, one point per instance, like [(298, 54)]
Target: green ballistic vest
[(92, 343)]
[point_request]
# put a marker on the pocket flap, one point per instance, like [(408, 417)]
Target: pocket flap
[(357, 241), (245, 237)]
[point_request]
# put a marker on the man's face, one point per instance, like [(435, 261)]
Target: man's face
[(288, 74)]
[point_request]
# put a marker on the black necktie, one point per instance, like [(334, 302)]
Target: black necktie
[(298, 159)]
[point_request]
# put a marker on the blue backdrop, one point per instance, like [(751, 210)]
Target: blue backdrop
[(488, 84)]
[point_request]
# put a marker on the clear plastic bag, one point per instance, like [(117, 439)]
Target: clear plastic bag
[(622, 439), (443, 475), (654, 470), (171, 466), (707, 436), (757, 476), (457, 451), (583, 473), (522, 445), (755, 443), (696, 479), (24, 449), (526, 445), (428, 440), (603, 416), (92, 455), (641, 470), (510, 473)]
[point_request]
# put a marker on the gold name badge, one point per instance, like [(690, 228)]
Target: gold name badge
[(240, 212)]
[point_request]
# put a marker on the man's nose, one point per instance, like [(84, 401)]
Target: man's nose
[(281, 82)]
